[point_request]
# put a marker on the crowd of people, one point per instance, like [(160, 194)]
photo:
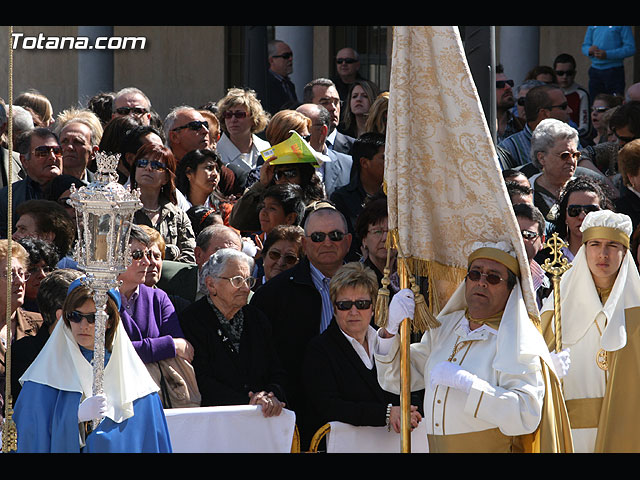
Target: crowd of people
[(255, 282)]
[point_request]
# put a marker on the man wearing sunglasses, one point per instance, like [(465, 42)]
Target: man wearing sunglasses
[(507, 123), (280, 92), (186, 130), (565, 67), (477, 381), (297, 301), (41, 157), (347, 70), (131, 101)]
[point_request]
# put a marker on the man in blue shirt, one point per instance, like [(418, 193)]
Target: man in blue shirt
[(607, 47)]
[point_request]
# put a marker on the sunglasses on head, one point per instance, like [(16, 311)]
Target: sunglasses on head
[(345, 60), (288, 259), (238, 114), (575, 210), (134, 110), (76, 317), (286, 55), (334, 236), (45, 150), (195, 125), (562, 73), (345, 305), (492, 278), (503, 83), (155, 165)]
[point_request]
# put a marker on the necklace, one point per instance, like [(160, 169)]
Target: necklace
[(151, 210)]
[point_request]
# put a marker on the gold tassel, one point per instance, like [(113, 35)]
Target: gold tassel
[(382, 301)]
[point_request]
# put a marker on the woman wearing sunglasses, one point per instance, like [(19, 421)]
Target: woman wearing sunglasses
[(579, 197), (339, 371), (281, 250), (154, 174), (234, 360), (56, 406), (241, 118), (600, 305)]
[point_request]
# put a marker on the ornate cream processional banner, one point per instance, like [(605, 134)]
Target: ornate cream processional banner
[(443, 179)]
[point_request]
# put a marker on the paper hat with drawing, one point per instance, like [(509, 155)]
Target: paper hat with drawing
[(293, 150)]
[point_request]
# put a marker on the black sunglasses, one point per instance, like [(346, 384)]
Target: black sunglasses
[(575, 210), (492, 278), (529, 235), (347, 304), (334, 236), (285, 173), (345, 60), (238, 114), (286, 55), (138, 254), (195, 125), (502, 83), (76, 317), (155, 165), (562, 106), (624, 139), (288, 259), (562, 73), (45, 150), (134, 110)]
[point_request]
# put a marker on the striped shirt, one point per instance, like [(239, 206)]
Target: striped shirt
[(519, 146)]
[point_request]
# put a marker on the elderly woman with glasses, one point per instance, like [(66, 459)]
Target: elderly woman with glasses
[(56, 407), (340, 373), (154, 174), (281, 250), (234, 361), (554, 151)]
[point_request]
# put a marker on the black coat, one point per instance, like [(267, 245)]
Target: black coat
[(629, 204), (224, 376), (293, 306), (339, 386)]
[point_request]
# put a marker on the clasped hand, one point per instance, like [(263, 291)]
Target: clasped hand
[(271, 406)]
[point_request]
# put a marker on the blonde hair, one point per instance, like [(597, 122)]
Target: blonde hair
[(355, 275), (84, 116), (155, 238), (37, 102), (17, 251), (247, 98), (283, 122)]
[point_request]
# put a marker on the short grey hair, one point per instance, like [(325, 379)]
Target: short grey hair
[(22, 119), (128, 90), (218, 262), (170, 119), (547, 133)]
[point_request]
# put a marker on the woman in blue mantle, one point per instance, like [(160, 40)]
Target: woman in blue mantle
[(56, 407)]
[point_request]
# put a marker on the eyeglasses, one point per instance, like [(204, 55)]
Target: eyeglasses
[(285, 173), (76, 317), (492, 278), (195, 125), (378, 232), (139, 254), (238, 114), (600, 109), (286, 55), (238, 281), (45, 269), (155, 165), (347, 304), (575, 210), (529, 235), (562, 106), (568, 73), (44, 151), (567, 155), (503, 83), (288, 259), (134, 110), (20, 274), (345, 60), (334, 236)]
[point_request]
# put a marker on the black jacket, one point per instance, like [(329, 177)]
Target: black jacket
[(224, 376), (339, 386)]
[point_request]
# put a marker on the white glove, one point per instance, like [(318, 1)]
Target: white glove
[(92, 408), (402, 306), (561, 362), (452, 375)]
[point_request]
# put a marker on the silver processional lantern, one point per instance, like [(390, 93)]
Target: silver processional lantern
[(104, 214)]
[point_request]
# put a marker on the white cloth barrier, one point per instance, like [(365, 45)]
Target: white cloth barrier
[(229, 429), (345, 438)]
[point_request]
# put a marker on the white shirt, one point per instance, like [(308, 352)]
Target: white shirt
[(372, 339), (230, 154)]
